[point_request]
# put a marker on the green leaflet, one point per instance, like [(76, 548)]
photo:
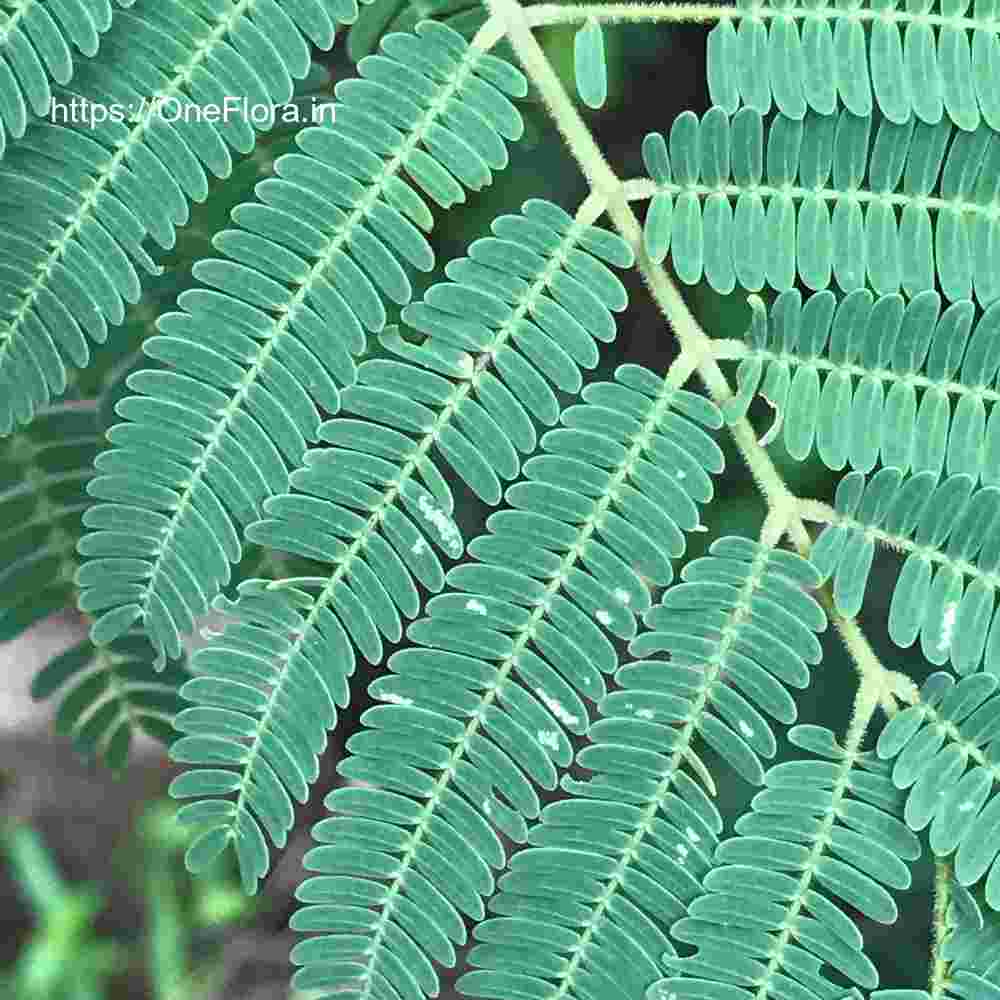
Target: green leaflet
[(944, 751), (523, 310), (581, 911), (826, 199), (822, 835), (868, 379), (256, 357), (590, 64), (479, 711), (807, 57), (35, 42), (75, 200), (945, 592)]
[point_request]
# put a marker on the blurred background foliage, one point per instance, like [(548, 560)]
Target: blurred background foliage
[(65, 957), (69, 943)]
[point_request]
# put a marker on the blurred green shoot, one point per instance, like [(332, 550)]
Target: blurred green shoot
[(64, 959), (173, 915)]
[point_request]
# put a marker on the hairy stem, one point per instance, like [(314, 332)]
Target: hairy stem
[(938, 981), (889, 684), (618, 13), (692, 13)]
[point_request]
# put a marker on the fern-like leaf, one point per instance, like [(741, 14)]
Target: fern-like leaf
[(35, 40), (368, 506), (945, 751), (916, 211), (113, 694), (870, 379), (766, 925), (946, 591), (582, 911), (75, 200), (478, 712), (44, 470), (319, 254), (920, 60), (971, 945)]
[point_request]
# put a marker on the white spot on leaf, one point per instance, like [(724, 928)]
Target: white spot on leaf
[(555, 707), (397, 699), (549, 738), (948, 624), (645, 713), (450, 536), (418, 547), (477, 606), (745, 729), (623, 596), (603, 617), (692, 836)]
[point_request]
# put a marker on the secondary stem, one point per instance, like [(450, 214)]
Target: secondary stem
[(604, 180), (942, 896), (690, 13), (613, 13), (606, 186)]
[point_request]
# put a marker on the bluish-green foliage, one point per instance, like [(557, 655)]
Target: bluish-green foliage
[(839, 199), (315, 422)]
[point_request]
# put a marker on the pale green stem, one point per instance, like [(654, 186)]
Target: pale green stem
[(729, 349), (888, 684), (662, 13), (938, 981), (774, 526), (643, 188), (620, 13)]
